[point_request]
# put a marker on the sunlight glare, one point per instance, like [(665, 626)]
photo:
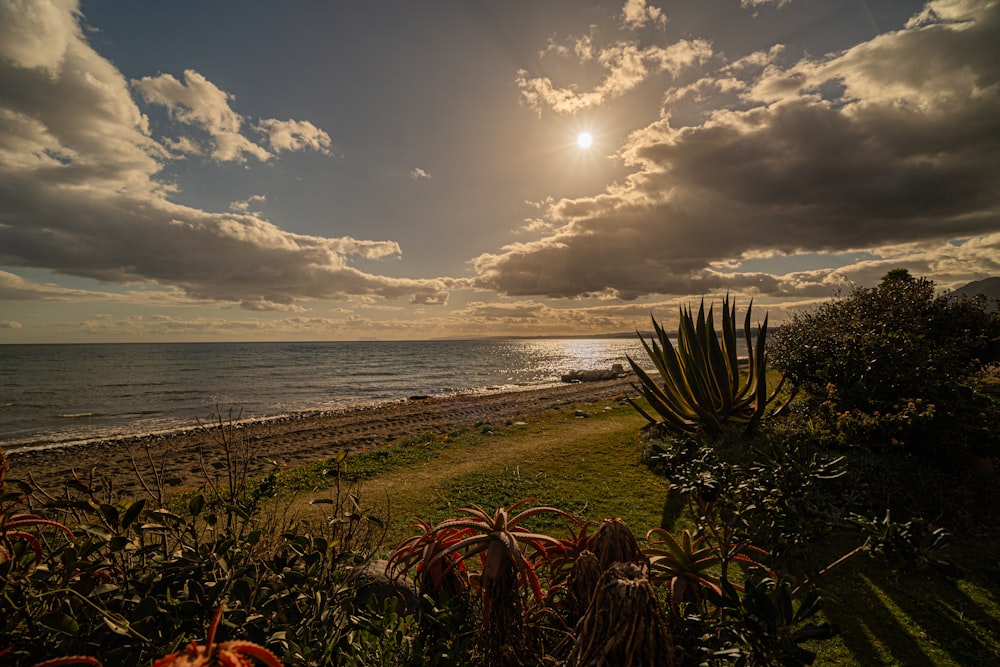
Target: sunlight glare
[(584, 140)]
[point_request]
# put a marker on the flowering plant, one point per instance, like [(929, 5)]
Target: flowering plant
[(893, 425)]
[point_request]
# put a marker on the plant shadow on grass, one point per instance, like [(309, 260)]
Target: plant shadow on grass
[(673, 508), (915, 619)]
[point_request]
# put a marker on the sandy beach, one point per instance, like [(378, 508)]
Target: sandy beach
[(183, 459)]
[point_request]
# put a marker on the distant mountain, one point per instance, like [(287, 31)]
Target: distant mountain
[(988, 287)]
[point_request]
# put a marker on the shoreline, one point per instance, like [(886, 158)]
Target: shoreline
[(42, 444), (188, 458)]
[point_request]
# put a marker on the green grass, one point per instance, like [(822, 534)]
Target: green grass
[(363, 465), (914, 619), (586, 466), (590, 468)]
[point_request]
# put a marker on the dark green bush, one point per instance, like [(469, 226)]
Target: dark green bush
[(891, 341), (892, 366), (138, 579)]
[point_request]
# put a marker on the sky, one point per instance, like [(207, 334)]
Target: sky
[(282, 171)]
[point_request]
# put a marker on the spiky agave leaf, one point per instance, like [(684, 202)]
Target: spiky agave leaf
[(702, 388)]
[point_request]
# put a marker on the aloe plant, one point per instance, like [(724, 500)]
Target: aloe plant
[(14, 523), (703, 388), (502, 546)]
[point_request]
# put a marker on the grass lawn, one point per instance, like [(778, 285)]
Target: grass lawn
[(590, 466)]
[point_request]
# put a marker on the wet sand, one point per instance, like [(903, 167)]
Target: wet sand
[(186, 459)]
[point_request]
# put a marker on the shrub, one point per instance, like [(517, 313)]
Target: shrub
[(597, 597), (130, 581), (884, 343)]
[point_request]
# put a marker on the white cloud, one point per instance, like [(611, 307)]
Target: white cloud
[(637, 14), (947, 11), (417, 174), (890, 142), (197, 101), (38, 34), (625, 64), (81, 192), (244, 205), (295, 135)]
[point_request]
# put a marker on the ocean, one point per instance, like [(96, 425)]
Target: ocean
[(60, 395)]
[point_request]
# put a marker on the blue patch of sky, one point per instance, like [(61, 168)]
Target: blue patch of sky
[(782, 264)]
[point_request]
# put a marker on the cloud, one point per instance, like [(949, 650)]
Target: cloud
[(37, 37), (637, 14), (15, 288), (197, 101), (244, 205), (295, 135), (81, 191), (891, 142), (417, 174), (260, 304), (753, 4), (625, 66), (10, 324)]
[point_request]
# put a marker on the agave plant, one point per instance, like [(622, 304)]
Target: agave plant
[(685, 563), (703, 388)]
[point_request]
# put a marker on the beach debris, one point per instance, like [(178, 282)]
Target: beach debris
[(595, 375), (580, 414)]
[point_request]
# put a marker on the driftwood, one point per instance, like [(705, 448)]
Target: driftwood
[(597, 375)]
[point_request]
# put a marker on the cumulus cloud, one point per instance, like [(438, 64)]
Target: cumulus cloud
[(197, 101), (295, 135), (637, 14), (417, 174), (243, 206), (891, 142), (81, 191), (625, 65)]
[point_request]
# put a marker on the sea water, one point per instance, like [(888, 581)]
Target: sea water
[(58, 395)]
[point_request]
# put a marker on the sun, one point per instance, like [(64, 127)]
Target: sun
[(585, 140)]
